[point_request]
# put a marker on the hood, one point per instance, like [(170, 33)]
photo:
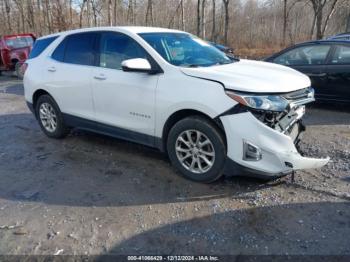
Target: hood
[(253, 76)]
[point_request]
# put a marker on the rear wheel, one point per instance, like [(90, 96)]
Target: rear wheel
[(50, 117), (197, 149)]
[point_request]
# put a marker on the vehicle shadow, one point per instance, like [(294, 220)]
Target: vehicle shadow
[(86, 169), (319, 228)]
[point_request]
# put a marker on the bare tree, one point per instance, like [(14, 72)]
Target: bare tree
[(109, 12), (115, 7), (259, 24), (70, 12), (203, 19), (8, 13), (149, 13), (183, 22), (131, 15), (96, 10), (82, 6), (285, 2), (213, 28), (198, 17), (319, 9), (227, 20)]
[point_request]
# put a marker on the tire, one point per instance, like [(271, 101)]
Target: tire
[(18, 70), (48, 105), (179, 147)]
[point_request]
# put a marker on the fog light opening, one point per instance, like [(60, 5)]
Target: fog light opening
[(251, 152)]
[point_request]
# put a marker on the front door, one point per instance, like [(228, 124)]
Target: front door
[(339, 74), (124, 100)]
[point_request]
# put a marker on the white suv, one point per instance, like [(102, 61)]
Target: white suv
[(210, 113)]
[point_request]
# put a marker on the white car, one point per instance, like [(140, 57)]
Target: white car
[(211, 114)]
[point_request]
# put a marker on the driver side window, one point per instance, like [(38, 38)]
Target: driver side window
[(304, 55), (117, 47)]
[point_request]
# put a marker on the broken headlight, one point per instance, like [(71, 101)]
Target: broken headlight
[(260, 102)]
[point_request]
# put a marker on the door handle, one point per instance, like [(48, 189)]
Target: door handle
[(51, 69), (100, 77), (317, 74)]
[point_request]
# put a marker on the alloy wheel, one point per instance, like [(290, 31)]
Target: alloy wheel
[(195, 151), (48, 117)]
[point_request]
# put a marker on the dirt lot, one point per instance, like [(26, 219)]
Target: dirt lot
[(91, 194)]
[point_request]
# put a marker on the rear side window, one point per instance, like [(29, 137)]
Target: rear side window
[(341, 55), (79, 49), (59, 52), (40, 45)]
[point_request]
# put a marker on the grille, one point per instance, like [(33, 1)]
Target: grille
[(300, 97)]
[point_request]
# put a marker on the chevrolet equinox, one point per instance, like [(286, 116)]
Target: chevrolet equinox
[(212, 114)]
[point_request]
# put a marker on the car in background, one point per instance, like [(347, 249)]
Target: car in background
[(14, 50), (326, 62), (227, 50), (343, 36)]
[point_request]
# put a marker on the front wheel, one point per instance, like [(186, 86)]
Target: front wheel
[(197, 149)]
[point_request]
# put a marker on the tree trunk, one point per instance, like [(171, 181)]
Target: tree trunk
[(330, 13), (130, 15), (319, 17), (198, 17), (203, 19), (71, 13), (8, 18), (227, 20), (109, 13), (183, 16), (115, 12), (149, 13), (284, 21), (213, 29), (313, 27), (81, 13)]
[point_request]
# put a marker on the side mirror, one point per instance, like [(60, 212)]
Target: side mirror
[(136, 65)]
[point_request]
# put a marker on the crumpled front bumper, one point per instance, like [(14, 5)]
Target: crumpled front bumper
[(279, 155)]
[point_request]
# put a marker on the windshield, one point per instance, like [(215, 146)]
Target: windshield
[(19, 42), (182, 49)]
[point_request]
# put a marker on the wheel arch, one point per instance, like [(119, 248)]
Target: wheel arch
[(181, 114), (38, 93)]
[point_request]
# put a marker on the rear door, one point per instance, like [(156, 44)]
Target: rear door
[(311, 60), (339, 73), (71, 66)]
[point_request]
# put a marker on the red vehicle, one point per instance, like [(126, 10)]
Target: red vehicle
[(14, 50)]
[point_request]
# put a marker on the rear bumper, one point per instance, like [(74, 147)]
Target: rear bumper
[(279, 155)]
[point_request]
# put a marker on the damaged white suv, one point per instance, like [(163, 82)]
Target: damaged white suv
[(210, 113)]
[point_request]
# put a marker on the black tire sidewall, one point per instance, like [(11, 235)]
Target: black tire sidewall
[(61, 130), (213, 133)]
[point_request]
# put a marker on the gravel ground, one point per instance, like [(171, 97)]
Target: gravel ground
[(91, 194)]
